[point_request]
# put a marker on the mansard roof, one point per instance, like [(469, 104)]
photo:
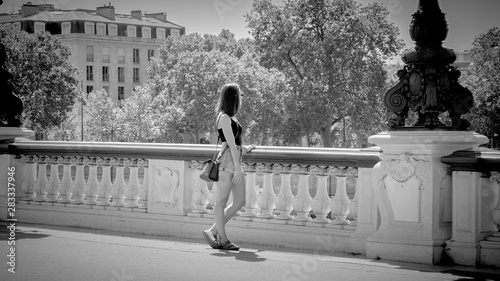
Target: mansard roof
[(86, 15)]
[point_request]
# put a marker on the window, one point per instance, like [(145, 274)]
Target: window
[(121, 93), (112, 29), (131, 31), (174, 32), (90, 53), (90, 73), (105, 54), (160, 33), (121, 55), (66, 27), (105, 73), (136, 75), (106, 88), (121, 74), (146, 32), (39, 27), (101, 28), (135, 56), (151, 54), (90, 89), (16, 26), (89, 28)]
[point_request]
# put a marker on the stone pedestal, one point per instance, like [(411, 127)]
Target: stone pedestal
[(474, 197), (368, 218), (414, 193)]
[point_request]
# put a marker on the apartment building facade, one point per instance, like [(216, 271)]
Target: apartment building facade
[(111, 50), (463, 60)]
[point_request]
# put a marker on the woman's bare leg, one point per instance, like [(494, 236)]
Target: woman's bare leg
[(239, 195)]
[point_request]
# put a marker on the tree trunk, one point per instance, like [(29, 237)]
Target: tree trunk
[(326, 134)]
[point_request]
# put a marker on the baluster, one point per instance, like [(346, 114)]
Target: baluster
[(66, 183), (340, 203), (142, 203), (119, 184), (302, 201), (251, 192), (267, 198), (132, 188), (284, 199), (104, 190), (353, 207), (79, 186), (41, 182), (29, 177), (321, 201), (495, 214), (93, 184), (200, 189), (53, 185)]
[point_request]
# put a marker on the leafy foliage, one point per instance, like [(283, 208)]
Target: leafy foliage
[(483, 79), (333, 53), (43, 77), (186, 81)]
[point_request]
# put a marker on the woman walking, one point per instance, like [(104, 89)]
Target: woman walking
[(231, 176)]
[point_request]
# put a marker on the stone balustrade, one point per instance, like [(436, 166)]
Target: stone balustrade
[(283, 198), (82, 186), (60, 173), (109, 185)]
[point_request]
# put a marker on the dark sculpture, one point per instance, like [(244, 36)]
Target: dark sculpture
[(11, 106), (428, 84)]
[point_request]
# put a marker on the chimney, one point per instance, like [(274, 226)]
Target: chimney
[(29, 9), (46, 7), (158, 16), (106, 11), (136, 14)]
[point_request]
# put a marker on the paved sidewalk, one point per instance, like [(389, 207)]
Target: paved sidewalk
[(75, 254)]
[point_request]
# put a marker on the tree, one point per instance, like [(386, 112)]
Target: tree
[(71, 128), (100, 121), (186, 81), (43, 77), (483, 79), (332, 51), (137, 117)]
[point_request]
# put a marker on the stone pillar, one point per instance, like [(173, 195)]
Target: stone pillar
[(368, 215), (413, 192), (473, 198)]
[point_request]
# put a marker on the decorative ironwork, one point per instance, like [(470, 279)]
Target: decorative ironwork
[(428, 84)]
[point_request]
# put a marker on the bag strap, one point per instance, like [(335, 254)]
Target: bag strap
[(218, 138)]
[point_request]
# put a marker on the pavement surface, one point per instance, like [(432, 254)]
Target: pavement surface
[(76, 254)]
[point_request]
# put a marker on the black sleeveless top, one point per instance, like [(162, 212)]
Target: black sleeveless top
[(237, 129)]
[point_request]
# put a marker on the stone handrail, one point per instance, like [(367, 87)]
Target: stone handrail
[(365, 158), (480, 159)]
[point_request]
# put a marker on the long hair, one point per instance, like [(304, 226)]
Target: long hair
[(229, 100)]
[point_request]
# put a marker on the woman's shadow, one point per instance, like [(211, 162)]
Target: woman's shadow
[(249, 256)]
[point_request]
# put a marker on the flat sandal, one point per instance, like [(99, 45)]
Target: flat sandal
[(227, 245), (211, 239)]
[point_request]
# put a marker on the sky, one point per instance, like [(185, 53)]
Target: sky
[(466, 18)]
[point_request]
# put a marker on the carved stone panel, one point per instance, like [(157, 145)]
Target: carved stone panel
[(166, 187), (402, 181)]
